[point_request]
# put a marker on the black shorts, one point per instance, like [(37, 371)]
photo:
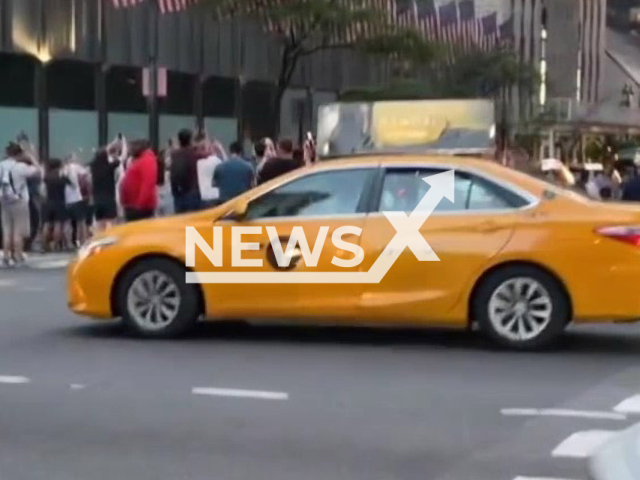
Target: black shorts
[(134, 214), (54, 212), (89, 212), (77, 212), (105, 209)]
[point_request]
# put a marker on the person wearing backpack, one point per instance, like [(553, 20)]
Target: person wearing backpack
[(15, 170)]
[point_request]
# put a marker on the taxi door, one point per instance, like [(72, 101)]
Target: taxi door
[(317, 204), (464, 234)]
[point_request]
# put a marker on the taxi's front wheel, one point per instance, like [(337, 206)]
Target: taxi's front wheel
[(155, 301)]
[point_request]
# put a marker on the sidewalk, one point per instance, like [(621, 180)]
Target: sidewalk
[(49, 261)]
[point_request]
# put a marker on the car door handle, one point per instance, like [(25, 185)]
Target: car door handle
[(488, 227)]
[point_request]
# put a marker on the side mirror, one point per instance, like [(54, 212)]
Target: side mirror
[(239, 210)]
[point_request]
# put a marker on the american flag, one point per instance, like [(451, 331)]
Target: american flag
[(404, 8), (165, 6), (430, 27), (449, 29), (467, 10), (467, 14), (489, 31), (506, 32), (425, 8)]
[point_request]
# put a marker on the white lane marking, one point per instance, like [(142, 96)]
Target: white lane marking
[(7, 283), (233, 392), (33, 289), (50, 264), (14, 379), (630, 405), (558, 412), (539, 478), (76, 386), (583, 444)]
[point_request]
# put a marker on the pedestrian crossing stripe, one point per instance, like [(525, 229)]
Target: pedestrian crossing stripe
[(583, 444), (540, 478), (631, 405)]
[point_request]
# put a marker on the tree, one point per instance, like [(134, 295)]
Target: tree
[(477, 74), (306, 27), (484, 74)]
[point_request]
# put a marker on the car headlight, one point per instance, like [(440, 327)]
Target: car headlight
[(95, 246)]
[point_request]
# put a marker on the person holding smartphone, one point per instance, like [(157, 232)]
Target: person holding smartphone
[(104, 167)]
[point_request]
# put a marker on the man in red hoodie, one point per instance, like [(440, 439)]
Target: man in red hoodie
[(138, 192)]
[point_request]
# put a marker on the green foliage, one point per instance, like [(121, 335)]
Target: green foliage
[(396, 90), (594, 149), (401, 44), (485, 73), (470, 75), (305, 27)]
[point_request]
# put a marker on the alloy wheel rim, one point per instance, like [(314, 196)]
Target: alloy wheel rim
[(520, 309), (153, 300)]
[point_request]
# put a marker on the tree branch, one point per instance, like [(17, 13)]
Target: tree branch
[(331, 46)]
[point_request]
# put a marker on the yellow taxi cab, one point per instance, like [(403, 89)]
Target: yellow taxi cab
[(518, 256)]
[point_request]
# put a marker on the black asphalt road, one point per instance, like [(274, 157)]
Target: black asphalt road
[(359, 404)]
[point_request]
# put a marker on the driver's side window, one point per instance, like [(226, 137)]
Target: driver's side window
[(336, 192)]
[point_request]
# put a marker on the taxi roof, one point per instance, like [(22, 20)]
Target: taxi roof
[(371, 159)]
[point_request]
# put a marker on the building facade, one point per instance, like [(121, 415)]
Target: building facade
[(72, 74), (565, 40)]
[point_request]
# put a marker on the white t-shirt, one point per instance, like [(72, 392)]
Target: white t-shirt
[(19, 173), (592, 190), (260, 163), (72, 192), (206, 167)]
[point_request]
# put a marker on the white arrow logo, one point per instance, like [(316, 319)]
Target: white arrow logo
[(407, 236)]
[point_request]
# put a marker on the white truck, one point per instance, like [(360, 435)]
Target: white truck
[(461, 127)]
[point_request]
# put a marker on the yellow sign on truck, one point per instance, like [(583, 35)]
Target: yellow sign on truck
[(443, 126)]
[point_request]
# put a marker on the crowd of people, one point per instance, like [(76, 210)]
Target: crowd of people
[(57, 204), (610, 182)]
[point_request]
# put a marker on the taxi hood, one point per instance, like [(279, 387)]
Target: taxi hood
[(163, 224)]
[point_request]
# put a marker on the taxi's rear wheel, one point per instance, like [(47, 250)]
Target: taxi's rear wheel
[(521, 307), (155, 301)]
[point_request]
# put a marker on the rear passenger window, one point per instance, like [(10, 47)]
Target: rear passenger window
[(404, 188), (486, 195)]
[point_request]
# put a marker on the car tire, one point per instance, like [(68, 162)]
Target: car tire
[(155, 301), (521, 308)]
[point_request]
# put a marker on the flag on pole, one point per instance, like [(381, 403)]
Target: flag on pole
[(165, 6), (467, 10), (506, 32), (432, 27), (125, 3), (449, 23), (467, 14), (448, 16), (425, 8), (489, 31)]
